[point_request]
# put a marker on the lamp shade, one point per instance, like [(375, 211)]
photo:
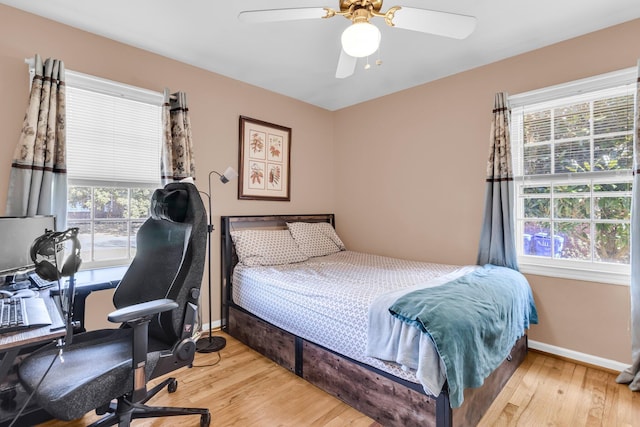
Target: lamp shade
[(228, 175), (360, 39)]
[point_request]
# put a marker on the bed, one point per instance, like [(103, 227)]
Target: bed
[(297, 310)]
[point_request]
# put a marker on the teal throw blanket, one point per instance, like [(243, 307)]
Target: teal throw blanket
[(473, 320)]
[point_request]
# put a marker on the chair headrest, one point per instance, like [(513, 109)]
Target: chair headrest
[(170, 204)]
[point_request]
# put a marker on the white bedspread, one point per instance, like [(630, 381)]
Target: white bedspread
[(394, 340), (326, 300)]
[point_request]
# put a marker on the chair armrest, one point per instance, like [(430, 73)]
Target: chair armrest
[(137, 311)]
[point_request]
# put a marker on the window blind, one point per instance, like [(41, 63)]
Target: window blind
[(114, 132), (540, 130)]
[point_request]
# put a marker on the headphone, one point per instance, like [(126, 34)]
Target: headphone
[(46, 247)]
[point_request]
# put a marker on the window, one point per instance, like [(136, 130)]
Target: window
[(114, 135), (573, 162)]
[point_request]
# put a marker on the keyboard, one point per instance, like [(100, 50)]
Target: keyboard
[(39, 282), (22, 313)]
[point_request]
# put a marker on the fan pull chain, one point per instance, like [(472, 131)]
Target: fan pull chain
[(378, 61)]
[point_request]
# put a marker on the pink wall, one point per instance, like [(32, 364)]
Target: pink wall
[(410, 179), (215, 104)]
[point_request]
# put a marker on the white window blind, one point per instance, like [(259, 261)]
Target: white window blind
[(113, 132), (571, 124)]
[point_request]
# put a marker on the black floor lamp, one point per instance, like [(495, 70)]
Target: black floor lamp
[(212, 344)]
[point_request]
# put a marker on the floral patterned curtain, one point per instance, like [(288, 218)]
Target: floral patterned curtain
[(497, 238), (177, 145), (631, 375), (38, 179)]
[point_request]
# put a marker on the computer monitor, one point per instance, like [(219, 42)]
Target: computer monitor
[(16, 236)]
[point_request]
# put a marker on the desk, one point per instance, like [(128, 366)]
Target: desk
[(12, 343), (99, 278), (88, 281)]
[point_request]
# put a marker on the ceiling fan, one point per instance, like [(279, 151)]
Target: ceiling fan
[(362, 38)]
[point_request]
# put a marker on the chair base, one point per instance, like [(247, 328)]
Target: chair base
[(122, 412)]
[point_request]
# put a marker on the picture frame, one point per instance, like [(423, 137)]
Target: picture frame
[(265, 161)]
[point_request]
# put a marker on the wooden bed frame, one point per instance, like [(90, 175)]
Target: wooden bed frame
[(389, 400)]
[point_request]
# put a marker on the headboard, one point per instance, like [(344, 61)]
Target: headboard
[(229, 258)]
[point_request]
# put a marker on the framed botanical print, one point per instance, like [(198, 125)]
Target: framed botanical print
[(264, 160)]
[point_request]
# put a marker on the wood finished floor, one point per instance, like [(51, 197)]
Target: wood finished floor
[(246, 389)]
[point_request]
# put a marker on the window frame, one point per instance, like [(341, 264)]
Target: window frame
[(114, 262), (602, 272)]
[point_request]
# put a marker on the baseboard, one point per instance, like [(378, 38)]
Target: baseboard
[(584, 358), (214, 325)]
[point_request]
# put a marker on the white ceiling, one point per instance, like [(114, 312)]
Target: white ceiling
[(299, 59)]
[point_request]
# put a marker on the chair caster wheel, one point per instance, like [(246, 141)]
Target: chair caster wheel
[(172, 386), (205, 420)]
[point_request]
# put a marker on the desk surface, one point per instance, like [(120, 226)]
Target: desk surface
[(99, 278), (86, 282), (17, 339)]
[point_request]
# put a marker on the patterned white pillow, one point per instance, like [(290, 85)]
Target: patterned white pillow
[(316, 238), (266, 247)]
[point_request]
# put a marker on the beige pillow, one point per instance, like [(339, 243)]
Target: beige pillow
[(316, 238), (266, 247)]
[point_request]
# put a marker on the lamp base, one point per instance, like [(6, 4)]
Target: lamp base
[(210, 344)]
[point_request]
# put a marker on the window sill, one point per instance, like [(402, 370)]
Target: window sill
[(96, 265), (616, 276)]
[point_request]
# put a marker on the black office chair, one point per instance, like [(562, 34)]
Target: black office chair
[(107, 370)]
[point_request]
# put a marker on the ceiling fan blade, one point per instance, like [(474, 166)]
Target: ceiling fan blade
[(276, 15), (433, 22), (346, 65)]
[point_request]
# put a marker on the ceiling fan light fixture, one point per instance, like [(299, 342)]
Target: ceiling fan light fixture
[(360, 39)]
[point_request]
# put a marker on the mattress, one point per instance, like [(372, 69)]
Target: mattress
[(326, 300)]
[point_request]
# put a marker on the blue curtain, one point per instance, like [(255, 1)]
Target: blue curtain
[(38, 178), (631, 375), (497, 238)]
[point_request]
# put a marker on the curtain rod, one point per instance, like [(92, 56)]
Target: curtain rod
[(31, 62)]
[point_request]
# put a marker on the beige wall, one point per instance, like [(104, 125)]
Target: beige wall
[(410, 170), (215, 103), (407, 181)]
